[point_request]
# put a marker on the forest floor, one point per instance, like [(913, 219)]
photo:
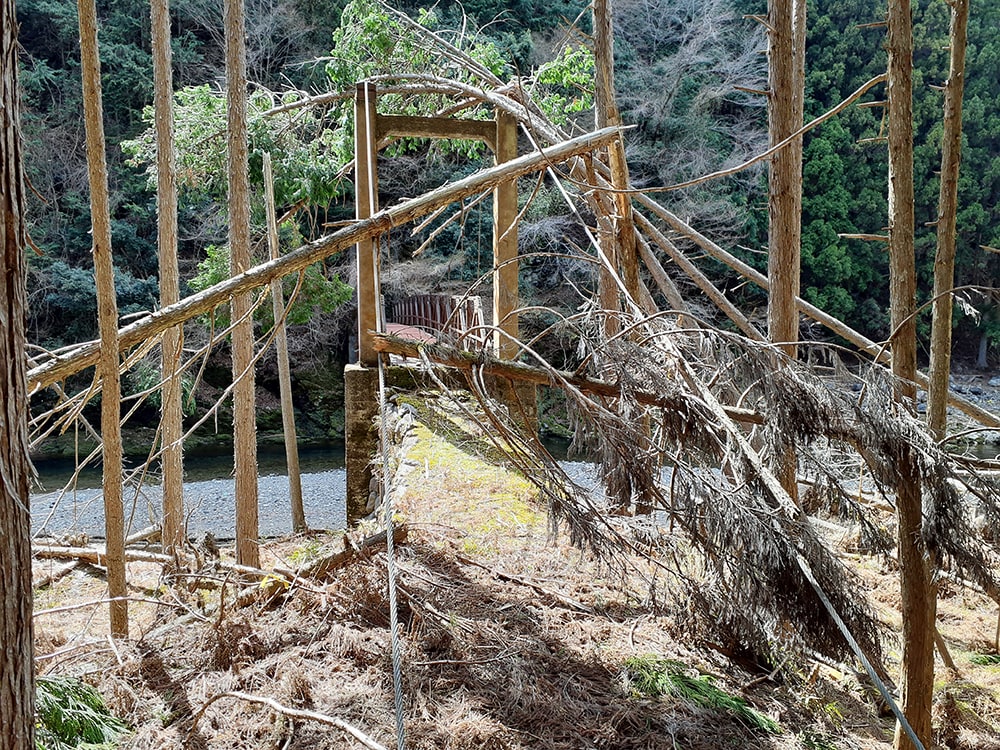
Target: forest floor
[(511, 638)]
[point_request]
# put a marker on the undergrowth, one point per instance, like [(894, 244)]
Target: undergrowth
[(985, 660), (72, 714), (655, 676)]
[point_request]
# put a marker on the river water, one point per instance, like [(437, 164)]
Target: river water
[(208, 496)]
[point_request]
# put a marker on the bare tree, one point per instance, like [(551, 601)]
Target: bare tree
[(17, 692), (244, 409), (944, 260), (916, 589), (172, 415), (107, 317)]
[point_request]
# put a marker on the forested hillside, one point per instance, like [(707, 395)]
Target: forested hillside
[(687, 72)]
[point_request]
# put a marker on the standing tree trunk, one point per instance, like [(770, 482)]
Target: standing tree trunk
[(284, 371), (17, 661), (786, 93), (944, 260), (171, 411), (107, 317), (244, 409), (916, 590), (608, 291), (623, 226)]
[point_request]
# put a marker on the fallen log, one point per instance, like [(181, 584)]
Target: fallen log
[(325, 565), (468, 361), (878, 352), (85, 355), (56, 574), (98, 556)]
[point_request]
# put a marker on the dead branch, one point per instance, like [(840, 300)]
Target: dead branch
[(295, 713), (58, 573), (325, 565), (510, 578)]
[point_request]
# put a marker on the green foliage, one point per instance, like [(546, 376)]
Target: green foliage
[(300, 142), (72, 714), (145, 375), (985, 660), (656, 676), (570, 78), (317, 292), (64, 298), (844, 180)]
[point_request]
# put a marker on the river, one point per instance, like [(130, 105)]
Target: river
[(208, 496)]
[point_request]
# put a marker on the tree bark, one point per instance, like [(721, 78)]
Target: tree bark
[(171, 411), (284, 371), (622, 230), (244, 407), (916, 590), (17, 672), (944, 260), (107, 317), (786, 74)]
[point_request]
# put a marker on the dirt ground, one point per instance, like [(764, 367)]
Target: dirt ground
[(511, 638)]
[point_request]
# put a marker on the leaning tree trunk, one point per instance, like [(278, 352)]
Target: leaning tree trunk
[(786, 93), (916, 589), (17, 692), (944, 260), (244, 410), (107, 317), (284, 369), (171, 411)]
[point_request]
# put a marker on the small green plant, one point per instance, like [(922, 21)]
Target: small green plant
[(985, 660), (72, 714), (656, 676), (308, 552)]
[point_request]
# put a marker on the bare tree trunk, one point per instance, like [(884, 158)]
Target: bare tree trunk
[(608, 292), (786, 58), (916, 590), (171, 411), (17, 661), (944, 260), (107, 317), (607, 115), (244, 408), (284, 372)]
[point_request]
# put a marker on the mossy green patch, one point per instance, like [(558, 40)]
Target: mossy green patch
[(494, 504)]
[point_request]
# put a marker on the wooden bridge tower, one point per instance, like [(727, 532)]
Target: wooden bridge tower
[(361, 380)]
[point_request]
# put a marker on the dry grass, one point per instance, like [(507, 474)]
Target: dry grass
[(512, 639)]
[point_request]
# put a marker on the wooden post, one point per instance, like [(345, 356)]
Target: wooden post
[(284, 371), (366, 204), (505, 295)]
